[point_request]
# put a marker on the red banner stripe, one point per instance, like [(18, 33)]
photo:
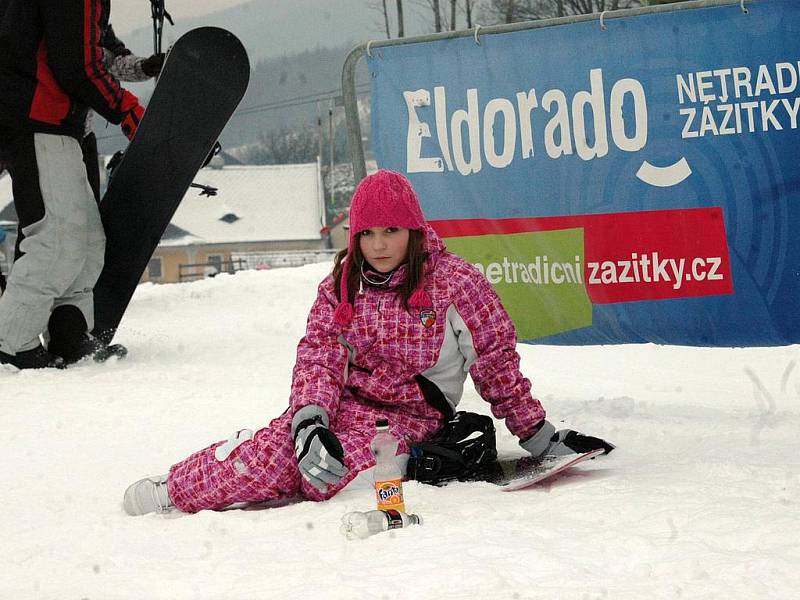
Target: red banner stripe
[(632, 256)]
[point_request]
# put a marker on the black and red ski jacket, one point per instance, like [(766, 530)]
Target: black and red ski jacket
[(51, 66)]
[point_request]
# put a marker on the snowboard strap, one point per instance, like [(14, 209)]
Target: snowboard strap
[(464, 450), (205, 190)]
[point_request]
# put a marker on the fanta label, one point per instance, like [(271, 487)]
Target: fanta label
[(390, 495)]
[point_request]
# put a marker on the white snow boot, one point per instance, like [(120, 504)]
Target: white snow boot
[(148, 495)]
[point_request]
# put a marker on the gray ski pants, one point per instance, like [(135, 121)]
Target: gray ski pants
[(63, 246)]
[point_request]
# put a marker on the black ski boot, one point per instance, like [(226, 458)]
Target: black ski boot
[(87, 345), (38, 358), (69, 340)]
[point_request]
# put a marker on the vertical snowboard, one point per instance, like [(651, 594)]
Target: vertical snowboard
[(204, 77)]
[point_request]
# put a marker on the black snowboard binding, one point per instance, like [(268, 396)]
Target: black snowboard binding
[(464, 450)]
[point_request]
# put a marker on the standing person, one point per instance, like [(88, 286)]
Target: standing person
[(67, 325), (51, 73), (399, 320)]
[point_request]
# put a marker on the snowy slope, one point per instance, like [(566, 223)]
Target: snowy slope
[(699, 501)]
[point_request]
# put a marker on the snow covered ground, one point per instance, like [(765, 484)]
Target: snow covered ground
[(700, 500)]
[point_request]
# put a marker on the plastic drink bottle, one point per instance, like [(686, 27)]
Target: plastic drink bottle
[(364, 524), (388, 476)]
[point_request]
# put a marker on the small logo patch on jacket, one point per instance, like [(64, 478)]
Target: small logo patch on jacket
[(428, 317)]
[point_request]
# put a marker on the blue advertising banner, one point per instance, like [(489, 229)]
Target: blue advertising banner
[(637, 183)]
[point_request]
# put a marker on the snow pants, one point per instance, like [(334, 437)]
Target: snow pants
[(63, 243), (265, 468)]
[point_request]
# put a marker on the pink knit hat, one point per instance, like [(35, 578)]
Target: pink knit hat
[(383, 199)]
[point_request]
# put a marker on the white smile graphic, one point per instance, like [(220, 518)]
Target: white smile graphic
[(664, 176)]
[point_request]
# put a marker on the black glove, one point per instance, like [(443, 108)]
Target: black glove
[(152, 66), (320, 455), (549, 442)]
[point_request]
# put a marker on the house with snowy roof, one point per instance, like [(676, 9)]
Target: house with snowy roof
[(261, 216)]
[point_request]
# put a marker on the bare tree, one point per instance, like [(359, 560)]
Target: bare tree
[(437, 15), (400, 24), (386, 20), (510, 11), (505, 11), (285, 146), (583, 7), (383, 10), (443, 19)]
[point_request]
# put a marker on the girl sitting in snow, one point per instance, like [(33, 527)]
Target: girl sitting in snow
[(397, 308)]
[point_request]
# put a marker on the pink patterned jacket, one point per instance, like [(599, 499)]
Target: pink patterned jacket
[(373, 361), (367, 370)]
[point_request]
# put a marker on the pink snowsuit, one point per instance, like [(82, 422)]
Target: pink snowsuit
[(366, 371)]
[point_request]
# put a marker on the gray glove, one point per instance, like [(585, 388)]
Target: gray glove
[(320, 455), (549, 442)]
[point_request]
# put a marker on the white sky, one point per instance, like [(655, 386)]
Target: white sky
[(127, 15)]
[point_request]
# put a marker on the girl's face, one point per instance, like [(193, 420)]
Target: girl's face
[(384, 248)]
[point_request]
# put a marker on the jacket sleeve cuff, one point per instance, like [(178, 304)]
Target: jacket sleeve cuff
[(308, 412), (537, 444)]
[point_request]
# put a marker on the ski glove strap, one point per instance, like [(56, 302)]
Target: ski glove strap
[(130, 122), (320, 456), (549, 442)]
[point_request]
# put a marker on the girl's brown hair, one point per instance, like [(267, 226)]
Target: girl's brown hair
[(415, 262)]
